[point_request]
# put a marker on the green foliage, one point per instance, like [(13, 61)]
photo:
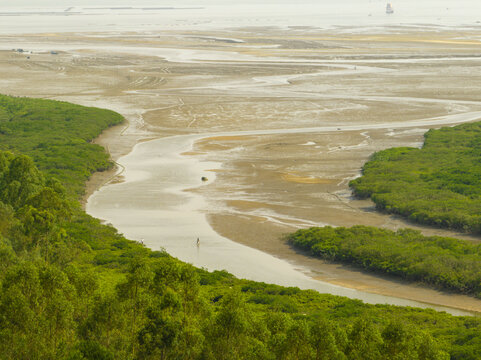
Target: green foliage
[(57, 136), (364, 341), (37, 313), (446, 263), (20, 179), (439, 184), (328, 340)]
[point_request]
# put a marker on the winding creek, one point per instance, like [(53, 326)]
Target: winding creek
[(151, 205)]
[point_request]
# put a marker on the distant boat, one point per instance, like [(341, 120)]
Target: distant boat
[(389, 9)]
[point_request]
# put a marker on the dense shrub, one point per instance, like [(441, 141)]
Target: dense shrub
[(438, 185), (446, 263)]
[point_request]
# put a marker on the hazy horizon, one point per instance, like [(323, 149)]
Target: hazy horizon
[(27, 16)]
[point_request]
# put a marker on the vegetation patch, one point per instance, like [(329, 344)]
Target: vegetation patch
[(439, 184), (57, 136), (446, 263)]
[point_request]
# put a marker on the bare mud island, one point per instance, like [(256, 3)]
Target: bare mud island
[(277, 121)]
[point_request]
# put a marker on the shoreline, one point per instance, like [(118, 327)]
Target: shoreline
[(311, 79), (336, 274), (349, 276)]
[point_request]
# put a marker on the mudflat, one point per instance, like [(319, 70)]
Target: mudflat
[(287, 116)]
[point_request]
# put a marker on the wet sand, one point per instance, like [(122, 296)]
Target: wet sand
[(287, 119)]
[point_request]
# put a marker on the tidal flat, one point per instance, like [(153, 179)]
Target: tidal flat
[(277, 121)]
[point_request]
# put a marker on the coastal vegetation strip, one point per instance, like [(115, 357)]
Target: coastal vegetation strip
[(439, 184), (445, 263), (74, 289), (57, 135)]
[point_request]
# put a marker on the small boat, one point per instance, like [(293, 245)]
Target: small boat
[(389, 9)]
